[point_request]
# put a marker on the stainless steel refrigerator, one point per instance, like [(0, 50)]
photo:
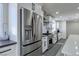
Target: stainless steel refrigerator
[(30, 32)]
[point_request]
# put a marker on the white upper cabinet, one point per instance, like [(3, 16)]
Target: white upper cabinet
[(26, 5), (38, 9), (51, 24)]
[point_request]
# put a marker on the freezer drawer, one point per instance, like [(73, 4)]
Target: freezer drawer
[(27, 49), (37, 52)]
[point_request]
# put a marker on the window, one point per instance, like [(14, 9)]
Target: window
[(1, 21)]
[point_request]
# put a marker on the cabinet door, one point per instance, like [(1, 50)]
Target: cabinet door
[(59, 36), (9, 50), (44, 44), (54, 40)]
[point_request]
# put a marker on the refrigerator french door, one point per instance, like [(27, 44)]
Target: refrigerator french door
[(37, 27), (25, 26)]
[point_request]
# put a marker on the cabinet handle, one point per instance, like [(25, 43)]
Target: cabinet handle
[(5, 51)]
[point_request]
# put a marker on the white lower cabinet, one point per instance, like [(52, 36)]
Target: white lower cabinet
[(44, 43), (8, 51), (59, 36), (54, 38)]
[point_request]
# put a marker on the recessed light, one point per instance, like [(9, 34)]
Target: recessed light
[(75, 42), (78, 8), (57, 12), (77, 53), (76, 47), (60, 16)]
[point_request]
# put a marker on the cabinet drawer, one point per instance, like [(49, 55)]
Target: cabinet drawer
[(5, 51)]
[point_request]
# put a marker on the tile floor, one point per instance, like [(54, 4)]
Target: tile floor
[(56, 49)]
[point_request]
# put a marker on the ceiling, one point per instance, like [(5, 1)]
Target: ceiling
[(62, 10)]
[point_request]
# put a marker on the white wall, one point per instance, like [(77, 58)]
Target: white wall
[(13, 21), (62, 28), (72, 27), (57, 25)]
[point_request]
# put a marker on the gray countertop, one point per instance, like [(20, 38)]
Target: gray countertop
[(4, 43)]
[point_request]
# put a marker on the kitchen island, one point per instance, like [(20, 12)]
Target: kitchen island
[(71, 47)]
